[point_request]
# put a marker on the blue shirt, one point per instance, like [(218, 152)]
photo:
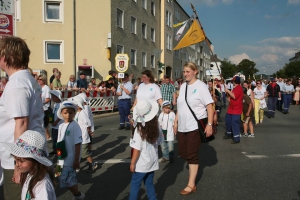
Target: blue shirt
[(82, 83), (128, 86)]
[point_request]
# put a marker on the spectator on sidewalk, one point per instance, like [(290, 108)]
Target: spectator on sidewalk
[(81, 82), (56, 84), (53, 76), (168, 91), (72, 85)]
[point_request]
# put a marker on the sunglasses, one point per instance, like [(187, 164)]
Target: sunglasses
[(40, 79)]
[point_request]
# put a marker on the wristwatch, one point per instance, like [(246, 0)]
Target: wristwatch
[(209, 124)]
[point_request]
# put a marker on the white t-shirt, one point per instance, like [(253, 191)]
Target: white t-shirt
[(73, 137), (222, 88), (84, 122), (89, 113), (150, 91), (45, 95), (72, 84), (166, 122), (21, 98), (148, 159), (258, 94), (198, 97), (43, 190), (288, 88), (55, 109)]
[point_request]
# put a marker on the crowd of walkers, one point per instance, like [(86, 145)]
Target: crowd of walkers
[(162, 111)]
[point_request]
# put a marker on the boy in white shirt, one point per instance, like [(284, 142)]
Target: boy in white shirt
[(85, 125), (56, 98), (166, 121), (70, 133)]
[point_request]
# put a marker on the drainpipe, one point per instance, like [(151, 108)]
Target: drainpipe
[(74, 36)]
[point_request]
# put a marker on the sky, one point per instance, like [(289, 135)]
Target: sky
[(264, 31)]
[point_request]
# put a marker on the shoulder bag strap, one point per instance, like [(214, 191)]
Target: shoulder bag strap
[(187, 102)]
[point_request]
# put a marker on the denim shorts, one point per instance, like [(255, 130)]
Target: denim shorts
[(67, 177)]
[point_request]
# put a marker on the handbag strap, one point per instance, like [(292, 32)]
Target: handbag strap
[(187, 102)]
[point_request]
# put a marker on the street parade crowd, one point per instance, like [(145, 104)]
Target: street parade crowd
[(163, 111)]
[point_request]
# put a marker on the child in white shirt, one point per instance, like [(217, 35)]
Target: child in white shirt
[(147, 136), (166, 121), (85, 125), (37, 177)]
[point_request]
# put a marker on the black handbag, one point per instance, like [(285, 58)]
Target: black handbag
[(201, 124)]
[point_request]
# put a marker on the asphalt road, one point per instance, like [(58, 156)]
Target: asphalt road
[(264, 167)]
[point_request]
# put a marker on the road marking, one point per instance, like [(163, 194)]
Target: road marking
[(257, 156), (292, 155), (114, 161)]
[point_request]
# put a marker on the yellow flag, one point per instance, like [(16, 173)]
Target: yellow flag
[(194, 35)]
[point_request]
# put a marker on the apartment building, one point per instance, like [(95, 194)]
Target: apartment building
[(81, 35)]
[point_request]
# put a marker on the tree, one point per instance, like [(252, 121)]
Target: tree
[(228, 69), (292, 69), (247, 67)]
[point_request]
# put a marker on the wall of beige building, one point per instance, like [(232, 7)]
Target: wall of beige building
[(133, 40), (93, 25), (35, 31)]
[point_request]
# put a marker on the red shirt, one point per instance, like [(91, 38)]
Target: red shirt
[(236, 105)]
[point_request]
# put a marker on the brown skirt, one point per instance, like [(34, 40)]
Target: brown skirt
[(188, 145)]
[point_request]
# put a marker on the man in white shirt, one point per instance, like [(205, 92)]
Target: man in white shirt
[(280, 101), (17, 114)]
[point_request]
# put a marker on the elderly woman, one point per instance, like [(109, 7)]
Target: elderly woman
[(56, 84), (3, 82), (195, 93), (42, 81), (148, 90)]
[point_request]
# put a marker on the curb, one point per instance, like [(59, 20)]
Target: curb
[(105, 115)]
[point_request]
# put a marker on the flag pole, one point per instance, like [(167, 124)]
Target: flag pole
[(194, 10)]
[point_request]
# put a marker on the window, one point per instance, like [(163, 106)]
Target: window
[(54, 51), (144, 4), (133, 57), (177, 54), (133, 25), (201, 62), (53, 11), (120, 18), (169, 42), (153, 8), (144, 30), (144, 59), (201, 49), (120, 49), (168, 18), (152, 61), (177, 14), (152, 35)]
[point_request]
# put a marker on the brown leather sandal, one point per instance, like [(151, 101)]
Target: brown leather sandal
[(184, 192)]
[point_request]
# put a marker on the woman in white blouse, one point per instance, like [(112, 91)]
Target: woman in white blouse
[(186, 126), (260, 93)]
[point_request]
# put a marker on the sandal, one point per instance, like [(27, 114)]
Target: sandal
[(184, 192)]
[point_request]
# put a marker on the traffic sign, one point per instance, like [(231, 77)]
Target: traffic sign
[(6, 25), (122, 61)]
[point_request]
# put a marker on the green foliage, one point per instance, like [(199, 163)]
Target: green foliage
[(228, 69), (292, 69), (247, 67)]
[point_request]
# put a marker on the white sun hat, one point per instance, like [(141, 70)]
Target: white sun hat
[(30, 144), (56, 93), (77, 100), (84, 97), (66, 104), (165, 103), (144, 111)]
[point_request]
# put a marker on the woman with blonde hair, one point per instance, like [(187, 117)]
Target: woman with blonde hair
[(193, 96), (260, 93), (72, 83), (56, 84)]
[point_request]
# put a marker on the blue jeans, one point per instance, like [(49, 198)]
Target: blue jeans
[(272, 105), (124, 106), (167, 148), (280, 102), (224, 97), (233, 126), (287, 99), (135, 184)]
